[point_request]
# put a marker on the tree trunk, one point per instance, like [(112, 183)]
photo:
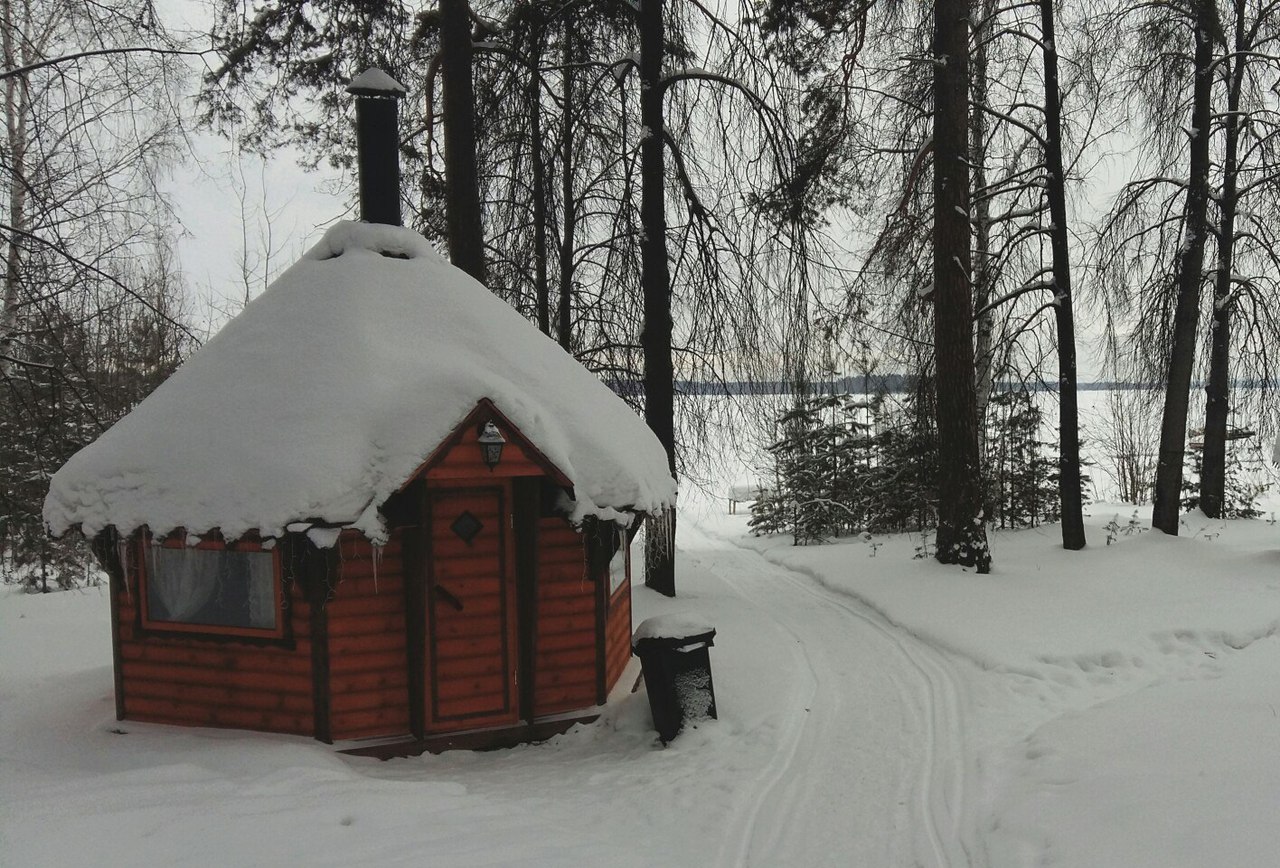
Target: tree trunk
[(570, 207), (655, 279), (1068, 409), (462, 190), (1190, 272), (961, 537), (984, 354), (1213, 468), (533, 95), (15, 112)]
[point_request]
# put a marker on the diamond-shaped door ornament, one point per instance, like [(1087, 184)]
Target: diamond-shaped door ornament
[(466, 526)]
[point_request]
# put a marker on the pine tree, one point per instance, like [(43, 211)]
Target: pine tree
[(1022, 488), (1241, 482)]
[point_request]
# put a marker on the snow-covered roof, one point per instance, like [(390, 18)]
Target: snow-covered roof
[(330, 389)]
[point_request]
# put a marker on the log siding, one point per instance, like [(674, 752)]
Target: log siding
[(618, 635), (217, 681), (368, 646), (566, 653), (377, 642)]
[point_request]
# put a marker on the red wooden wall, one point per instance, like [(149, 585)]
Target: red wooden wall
[(581, 640), (212, 682), (617, 635), (565, 659), (368, 654)]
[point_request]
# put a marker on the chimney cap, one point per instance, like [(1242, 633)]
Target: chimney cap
[(375, 82)]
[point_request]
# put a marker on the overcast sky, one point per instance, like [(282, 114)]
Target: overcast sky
[(245, 213), (223, 203)]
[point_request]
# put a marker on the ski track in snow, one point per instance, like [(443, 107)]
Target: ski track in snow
[(809, 791)]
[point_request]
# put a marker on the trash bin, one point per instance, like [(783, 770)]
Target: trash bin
[(677, 670)]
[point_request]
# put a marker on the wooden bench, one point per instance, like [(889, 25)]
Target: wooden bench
[(745, 492)]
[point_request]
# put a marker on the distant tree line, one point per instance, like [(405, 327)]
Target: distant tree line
[(896, 384)]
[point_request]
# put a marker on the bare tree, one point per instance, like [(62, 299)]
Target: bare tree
[(89, 126), (1127, 439), (1035, 186), (1019, 165), (466, 236), (961, 537), (1247, 181), (1157, 241), (1202, 20)]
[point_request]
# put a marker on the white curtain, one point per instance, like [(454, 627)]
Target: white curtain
[(181, 580), (262, 589)]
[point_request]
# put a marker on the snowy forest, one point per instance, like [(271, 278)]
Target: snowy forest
[(692, 198), (951, 328)]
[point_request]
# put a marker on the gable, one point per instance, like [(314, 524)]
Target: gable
[(459, 455)]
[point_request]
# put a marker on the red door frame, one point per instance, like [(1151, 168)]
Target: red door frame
[(441, 604)]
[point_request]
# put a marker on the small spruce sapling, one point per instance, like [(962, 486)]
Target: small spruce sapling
[(1241, 489)]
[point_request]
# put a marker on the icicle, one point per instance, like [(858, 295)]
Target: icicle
[(122, 552)]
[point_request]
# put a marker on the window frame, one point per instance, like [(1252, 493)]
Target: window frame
[(277, 635), (624, 549)]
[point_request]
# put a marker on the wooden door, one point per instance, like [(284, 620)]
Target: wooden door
[(471, 644)]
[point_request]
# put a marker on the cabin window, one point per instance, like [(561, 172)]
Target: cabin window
[(618, 563), (212, 588), (608, 554)]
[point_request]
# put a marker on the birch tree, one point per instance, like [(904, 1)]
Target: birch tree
[(89, 92)]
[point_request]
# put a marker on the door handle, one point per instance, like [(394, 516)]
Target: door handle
[(444, 594)]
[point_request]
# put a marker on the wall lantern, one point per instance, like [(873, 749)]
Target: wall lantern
[(491, 442)]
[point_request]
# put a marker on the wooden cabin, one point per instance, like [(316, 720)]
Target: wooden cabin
[(485, 608), (378, 505)]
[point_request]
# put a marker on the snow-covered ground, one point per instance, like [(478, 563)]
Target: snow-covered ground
[(1114, 707)]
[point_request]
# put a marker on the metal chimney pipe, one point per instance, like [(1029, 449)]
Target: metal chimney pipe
[(378, 144)]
